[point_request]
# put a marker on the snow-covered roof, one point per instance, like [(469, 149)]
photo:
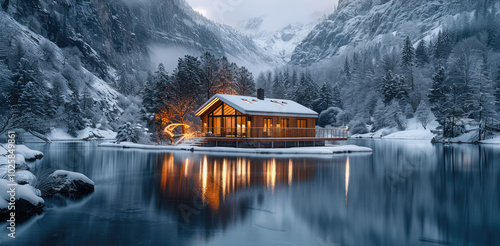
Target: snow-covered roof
[(254, 106)]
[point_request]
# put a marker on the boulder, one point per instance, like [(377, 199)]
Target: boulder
[(66, 182), (28, 153), (27, 200)]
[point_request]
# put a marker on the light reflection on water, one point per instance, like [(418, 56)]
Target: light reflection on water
[(405, 193)]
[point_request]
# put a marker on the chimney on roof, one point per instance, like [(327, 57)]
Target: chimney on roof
[(260, 94)]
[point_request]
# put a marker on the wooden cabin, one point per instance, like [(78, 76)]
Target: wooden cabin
[(258, 119)]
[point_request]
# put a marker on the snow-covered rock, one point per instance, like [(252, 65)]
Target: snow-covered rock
[(28, 200), (70, 182), (28, 153)]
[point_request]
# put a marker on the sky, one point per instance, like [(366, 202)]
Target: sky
[(276, 13)]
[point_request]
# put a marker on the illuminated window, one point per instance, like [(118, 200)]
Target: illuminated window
[(301, 123)]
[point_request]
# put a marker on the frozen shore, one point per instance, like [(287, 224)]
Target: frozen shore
[(326, 150)]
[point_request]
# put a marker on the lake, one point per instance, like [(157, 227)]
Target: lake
[(404, 193)]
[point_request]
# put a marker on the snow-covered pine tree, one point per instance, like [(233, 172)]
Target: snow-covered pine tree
[(306, 91), (245, 83), (346, 71), (437, 96), (325, 99), (336, 97), (443, 46), (126, 133), (74, 119), (278, 85), (287, 83), (407, 53), (421, 54), (393, 87)]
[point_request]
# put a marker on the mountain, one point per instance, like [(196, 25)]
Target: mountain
[(282, 42), (359, 24), (90, 55)]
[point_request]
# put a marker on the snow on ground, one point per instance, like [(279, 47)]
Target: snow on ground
[(58, 134), (25, 192), (297, 150), (414, 130), (28, 153), (22, 153), (494, 140)]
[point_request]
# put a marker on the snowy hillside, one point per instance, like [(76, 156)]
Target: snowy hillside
[(359, 24)]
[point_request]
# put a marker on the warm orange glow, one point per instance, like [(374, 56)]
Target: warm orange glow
[(217, 180), (347, 128), (186, 168), (204, 178), (210, 104), (167, 167), (271, 175), (186, 136)]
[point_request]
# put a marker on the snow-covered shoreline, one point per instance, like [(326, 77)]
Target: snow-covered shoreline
[(415, 131), (326, 150)]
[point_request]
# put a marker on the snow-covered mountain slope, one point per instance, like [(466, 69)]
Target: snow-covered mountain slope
[(115, 37), (357, 24), (57, 68), (280, 43)]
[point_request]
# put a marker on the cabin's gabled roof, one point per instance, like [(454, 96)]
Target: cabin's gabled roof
[(253, 106)]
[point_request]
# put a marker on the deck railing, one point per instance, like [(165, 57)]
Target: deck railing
[(274, 132)]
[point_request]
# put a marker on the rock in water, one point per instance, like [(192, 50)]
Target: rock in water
[(28, 200), (67, 182)]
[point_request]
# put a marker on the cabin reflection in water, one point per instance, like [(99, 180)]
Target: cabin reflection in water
[(214, 179)]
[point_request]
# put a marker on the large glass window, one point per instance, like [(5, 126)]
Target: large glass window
[(268, 125), (225, 121)]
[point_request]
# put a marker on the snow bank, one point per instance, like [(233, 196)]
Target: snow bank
[(28, 153), (57, 134), (494, 140), (23, 192), (414, 131), (326, 150)]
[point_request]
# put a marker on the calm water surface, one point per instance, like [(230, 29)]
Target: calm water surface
[(405, 193)]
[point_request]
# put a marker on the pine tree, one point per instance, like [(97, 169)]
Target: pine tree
[(408, 53), (74, 119), (443, 46), (393, 87), (278, 85), (437, 94), (421, 54), (246, 85), (346, 71), (286, 83), (336, 98), (127, 133)]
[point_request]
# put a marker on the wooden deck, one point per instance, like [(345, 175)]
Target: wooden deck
[(304, 139)]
